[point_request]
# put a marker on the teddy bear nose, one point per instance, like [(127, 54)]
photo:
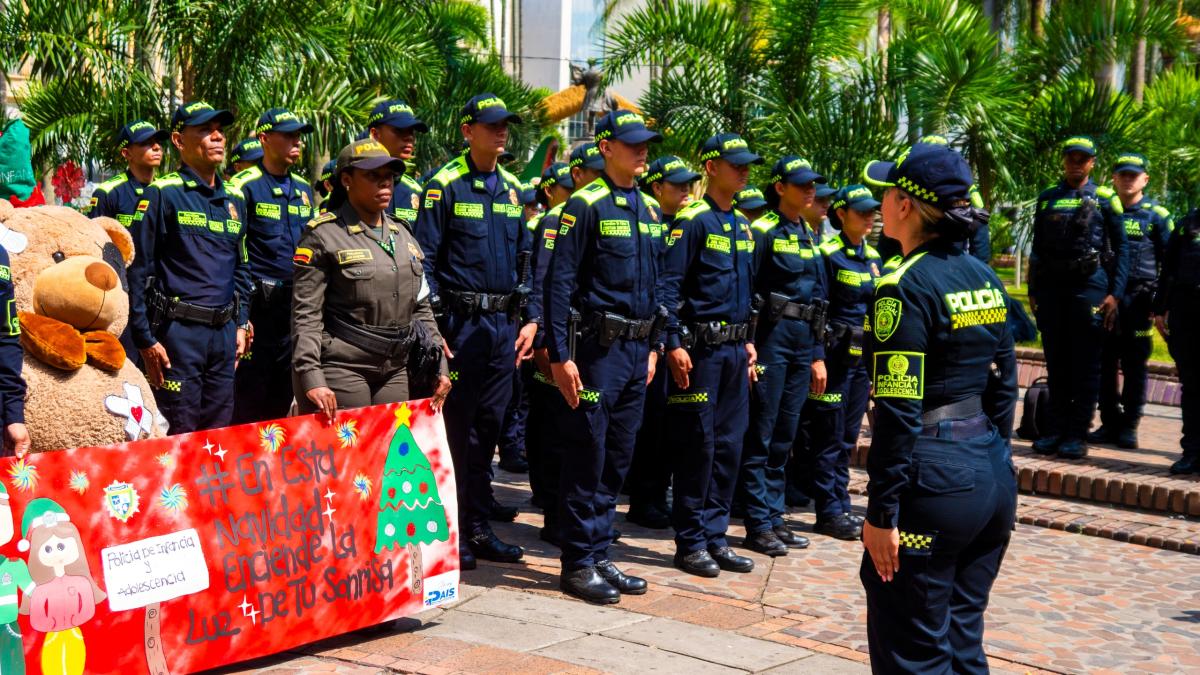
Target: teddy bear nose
[(101, 276)]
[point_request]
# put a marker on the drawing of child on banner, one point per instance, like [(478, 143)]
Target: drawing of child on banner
[(64, 596), (14, 576)]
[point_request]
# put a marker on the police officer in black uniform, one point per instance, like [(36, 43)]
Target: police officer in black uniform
[(605, 268), (471, 230), (708, 277), (324, 186), (189, 284), (1177, 317), (751, 203), (276, 204), (140, 144), (12, 386), (394, 125), (1077, 270), (942, 489), (243, 156), (1128, 346)]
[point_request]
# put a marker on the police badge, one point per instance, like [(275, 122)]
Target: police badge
[(304, 197), (416, 201), (120, 500), (512, 196), (232, 211), (887, 317)]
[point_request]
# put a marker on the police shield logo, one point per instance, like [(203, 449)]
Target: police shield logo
[(304, 198), (232, 211), (120, 500), (887, 317), (416, 201), (512, 196)]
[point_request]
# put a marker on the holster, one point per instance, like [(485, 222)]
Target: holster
[(574, 319)]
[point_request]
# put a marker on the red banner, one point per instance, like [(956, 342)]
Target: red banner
[(194, 551)]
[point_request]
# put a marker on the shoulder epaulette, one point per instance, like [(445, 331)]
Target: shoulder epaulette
[(508, 176), (556, 211), (532, 223), (692, 210), (831, 246), (410, 182), (650, 200), (1162, 211), (767, 222), (872, 252), (113, 182), (167, 180), (326, 217), (1104, 191), (239, 179), (592, 192), (452, 171), (300, 178), (893, 277)]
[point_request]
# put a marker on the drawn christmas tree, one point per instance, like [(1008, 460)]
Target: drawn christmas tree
[(410, 509)]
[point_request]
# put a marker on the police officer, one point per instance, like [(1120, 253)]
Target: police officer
[(543, 445), (605, 267), (979, 244), (244, 155), (190, 282), (12, 386), (394, 125), (586, 164), (942, 492), (1177, 317), (832, 419), (708, 277), (324, 186), (790, 290), (1128, 347), (276, 203), (1077, 269), (471, 232), (816, 213), (668, 184), (140, 144), (751, 203), (361, 303)]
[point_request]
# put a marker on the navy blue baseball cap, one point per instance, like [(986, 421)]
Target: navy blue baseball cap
[(396, 113), (587, 156), (283, 121), (1133, 162), (932, 173), (1082, 144), (246, 150), (671, 169), (488, 109), (140, 131), (856, 196), (197, 113), (527, 194), (729, 147), (749, 198), (558, 173), (625, 126), (795, 170), (327, 170), (825, 190), (934, 139)]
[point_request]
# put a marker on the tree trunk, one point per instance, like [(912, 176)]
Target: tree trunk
[(883, 39), (156, 659), (1037, 15), (414, 565), (1138, 63)]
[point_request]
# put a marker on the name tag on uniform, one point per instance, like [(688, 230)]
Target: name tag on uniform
[(468, 210), (716, 242), (615, 228), (351, 256), (264, 210)]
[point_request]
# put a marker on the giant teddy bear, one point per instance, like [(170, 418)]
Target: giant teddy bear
[(72, 301)]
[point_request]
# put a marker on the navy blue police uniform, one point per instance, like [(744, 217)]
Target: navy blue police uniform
[(650, 471), (1178, 299), (1079, 256), (274, 211), (513, 431), (832, 420), (790, 289), (185, 285), (471, 231), (605, 267), (940, 469), (1126, 349), (406, 193), (12, 385), (245, 150), (708, 280)]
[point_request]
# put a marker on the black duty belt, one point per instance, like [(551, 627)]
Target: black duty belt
[(378, 340), (716, 333), (965, 419), (958, 410), (609, 327), (468, 302), (216, 317)]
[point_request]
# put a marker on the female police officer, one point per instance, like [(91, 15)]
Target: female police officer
[(360, 303), (831, 420), (942, 493)]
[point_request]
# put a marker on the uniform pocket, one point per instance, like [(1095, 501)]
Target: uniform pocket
[(360, 278), (943, 478), (614, 263), (465, 243)]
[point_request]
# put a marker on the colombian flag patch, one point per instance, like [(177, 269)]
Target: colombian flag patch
[(433, 195), (303, 256)]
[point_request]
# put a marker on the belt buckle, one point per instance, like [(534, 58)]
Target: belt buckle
[(481, 301)]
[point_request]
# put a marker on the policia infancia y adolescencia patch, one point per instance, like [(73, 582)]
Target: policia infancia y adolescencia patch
[(899, 375)]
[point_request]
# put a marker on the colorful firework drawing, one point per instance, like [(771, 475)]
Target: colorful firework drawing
[(173, 498), (79, 482), (166, 460), (272, 437), (362, 485), (23, 476), (347, 434)]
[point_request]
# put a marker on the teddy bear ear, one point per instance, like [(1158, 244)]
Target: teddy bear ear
[(119, 236)]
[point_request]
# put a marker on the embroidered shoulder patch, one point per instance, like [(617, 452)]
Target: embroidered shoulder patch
[(887, 317), (899, 375)]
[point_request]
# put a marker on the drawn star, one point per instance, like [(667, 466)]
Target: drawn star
[(403, 415), (220, 453), (253, 613), (329, 494), (208, 446), (328, 512)]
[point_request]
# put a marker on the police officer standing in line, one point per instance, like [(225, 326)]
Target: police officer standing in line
[(708, 278), (513, 430), (832, 420), (191, 320), (1128, 347), (1077, 269), (140, 144), (394, 125), (324, 186), (790, 291), (942, 490), (244, 155), (1177, 317), (605, 267), (668, 184), (276, 203), (361, 304), (586, 164), (471, 231), (751, 203)]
